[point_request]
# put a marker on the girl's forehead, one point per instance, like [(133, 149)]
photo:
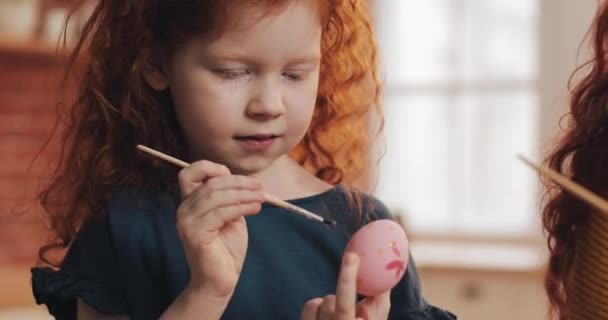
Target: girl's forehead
[(294, 27), (245, 18)]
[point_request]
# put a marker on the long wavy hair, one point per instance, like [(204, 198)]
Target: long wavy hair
[(114, 109), (581, 154)]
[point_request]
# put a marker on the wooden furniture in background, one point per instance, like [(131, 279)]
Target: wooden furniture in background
[(29, 85), (483, 281)]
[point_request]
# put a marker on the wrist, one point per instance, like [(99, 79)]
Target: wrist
[(196, 303), (202, 293)]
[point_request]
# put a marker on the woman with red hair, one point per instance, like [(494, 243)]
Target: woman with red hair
[(577, 276), (261, 97)]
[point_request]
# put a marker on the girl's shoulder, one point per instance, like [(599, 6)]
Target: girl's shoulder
[(141, 217), (128, 233), (137, 198), (133, 204), (348, 206), (371, 207)]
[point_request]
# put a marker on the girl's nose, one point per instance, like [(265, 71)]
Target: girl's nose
[(267, 102)]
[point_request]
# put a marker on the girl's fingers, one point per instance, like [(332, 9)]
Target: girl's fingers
[(327, 309), (199, 231), (311, 309), (216, 219), (232, 191), (202, 202), (232, 182), (376, 307), (346, 291), (197, 173)]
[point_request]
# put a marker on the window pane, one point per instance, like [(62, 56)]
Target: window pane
[(451, 165), (414, 174), (414, 39), (498, 40), (438, 41)]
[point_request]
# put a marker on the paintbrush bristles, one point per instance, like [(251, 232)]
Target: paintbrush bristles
[(289, 206), (270, 199), (576, 189)]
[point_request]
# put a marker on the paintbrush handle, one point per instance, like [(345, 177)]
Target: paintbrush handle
[(576, 189), (286, 205), (270, 199), (163, 156)]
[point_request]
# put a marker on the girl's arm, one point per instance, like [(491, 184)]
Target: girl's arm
[(196, 304), (189, 305)]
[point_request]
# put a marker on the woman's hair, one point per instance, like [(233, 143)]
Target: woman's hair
[(114, 109), (582, 155)]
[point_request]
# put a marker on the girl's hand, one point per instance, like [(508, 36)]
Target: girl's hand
[(342, 305), (211, 225)]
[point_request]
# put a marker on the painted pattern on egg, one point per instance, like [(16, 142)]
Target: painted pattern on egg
[(382, 247)]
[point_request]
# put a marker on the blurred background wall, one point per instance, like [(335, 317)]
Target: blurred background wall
[(30, 74)]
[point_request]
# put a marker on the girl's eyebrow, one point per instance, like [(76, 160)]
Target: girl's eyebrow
[(244, 57), (235, 57), (311, 58)]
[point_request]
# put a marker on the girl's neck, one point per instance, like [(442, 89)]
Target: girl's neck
[(286, 179)]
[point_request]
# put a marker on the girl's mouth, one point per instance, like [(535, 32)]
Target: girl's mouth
[(258, 142)]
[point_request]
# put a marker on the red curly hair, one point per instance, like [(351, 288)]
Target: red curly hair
[(115, 109), (582, 155)]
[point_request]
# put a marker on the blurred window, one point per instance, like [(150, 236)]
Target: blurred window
[(460, 101)]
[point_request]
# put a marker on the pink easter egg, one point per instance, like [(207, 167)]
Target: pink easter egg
[(383, 252)]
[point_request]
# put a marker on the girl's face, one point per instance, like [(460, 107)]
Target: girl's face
[(246, 97)]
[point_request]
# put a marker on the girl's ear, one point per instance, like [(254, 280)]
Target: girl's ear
[(155, 76)]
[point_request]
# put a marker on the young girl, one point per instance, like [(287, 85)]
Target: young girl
[(582, 155), (260, 96)]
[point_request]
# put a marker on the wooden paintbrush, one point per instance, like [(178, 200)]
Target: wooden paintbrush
[(270, 199), (569, 185)]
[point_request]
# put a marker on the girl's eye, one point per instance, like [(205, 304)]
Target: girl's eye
[(293, 76), (231, 74)]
